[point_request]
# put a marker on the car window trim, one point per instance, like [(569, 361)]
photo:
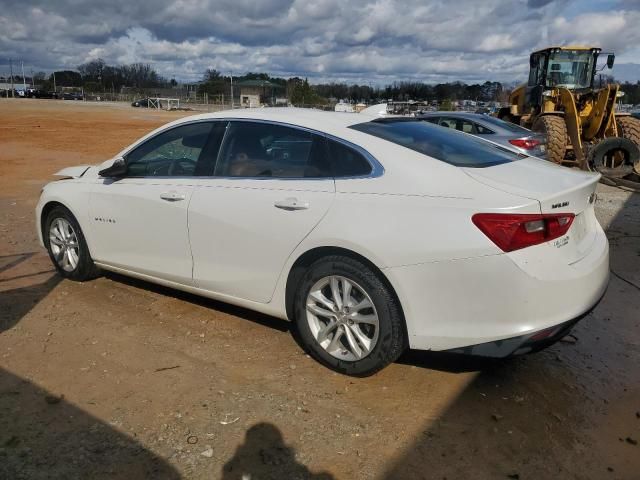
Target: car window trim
[(178, 177), (377, 169)]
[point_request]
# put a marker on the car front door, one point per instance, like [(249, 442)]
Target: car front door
[(270, 188), (139, 222)]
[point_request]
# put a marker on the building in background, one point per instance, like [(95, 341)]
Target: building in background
[(256, 93)]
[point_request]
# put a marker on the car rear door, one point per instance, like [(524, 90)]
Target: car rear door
[(139, 222), (270, 188)]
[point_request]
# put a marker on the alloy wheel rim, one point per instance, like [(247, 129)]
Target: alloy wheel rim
[(342, 318), (64, 244)]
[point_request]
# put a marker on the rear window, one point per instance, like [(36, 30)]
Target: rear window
[(443, 144), (512, 127)]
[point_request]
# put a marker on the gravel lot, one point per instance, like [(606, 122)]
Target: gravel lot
[(117, 378)]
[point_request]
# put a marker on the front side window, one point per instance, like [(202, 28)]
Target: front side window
[(173, 153), (440, 143), (256, 149)]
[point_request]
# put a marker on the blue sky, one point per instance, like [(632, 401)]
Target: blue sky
[(326, 40)]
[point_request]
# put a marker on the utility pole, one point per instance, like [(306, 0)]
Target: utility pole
[(11, 69), (231, 90), (54, 82), (24, 82)]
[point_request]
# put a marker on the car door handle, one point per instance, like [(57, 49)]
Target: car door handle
[(172, 196), (291, 204)]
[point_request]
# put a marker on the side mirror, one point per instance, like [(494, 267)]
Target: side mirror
[(610, 59), (117, 169)]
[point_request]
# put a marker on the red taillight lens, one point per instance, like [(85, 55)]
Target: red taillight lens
[(526, 143), (515, 231)]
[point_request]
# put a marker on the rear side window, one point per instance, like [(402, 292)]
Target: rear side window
[(512, 127), (480, 130), (442, 144), (256, 149), (464, 125), (347, 162)]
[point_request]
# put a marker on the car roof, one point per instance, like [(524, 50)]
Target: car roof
[(442, 113), (327, 122)]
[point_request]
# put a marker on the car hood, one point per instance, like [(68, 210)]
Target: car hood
[(73, 172)]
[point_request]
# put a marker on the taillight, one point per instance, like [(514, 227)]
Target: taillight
[(515, 231), (526, 143)]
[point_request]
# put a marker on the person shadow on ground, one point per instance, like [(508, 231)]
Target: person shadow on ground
[(265, 456)]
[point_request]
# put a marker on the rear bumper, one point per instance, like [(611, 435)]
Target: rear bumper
[(523, 344), (492, 300)]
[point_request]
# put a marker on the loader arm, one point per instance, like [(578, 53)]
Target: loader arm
[(572, 120), (599, 123)]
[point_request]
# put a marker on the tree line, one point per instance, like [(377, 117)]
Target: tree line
[(97, 76)]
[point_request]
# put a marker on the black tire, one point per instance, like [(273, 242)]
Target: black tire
[(391, 342), (85, 268), (605, 148), (629, 128), (555, 129)]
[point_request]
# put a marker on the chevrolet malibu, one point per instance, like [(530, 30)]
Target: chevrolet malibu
[(371, 235)]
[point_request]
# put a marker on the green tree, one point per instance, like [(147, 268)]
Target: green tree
[(446, 105)]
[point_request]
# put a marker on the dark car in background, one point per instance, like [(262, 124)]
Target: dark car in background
[(147, 103), (72, 96), (37, 93), (490, 128)]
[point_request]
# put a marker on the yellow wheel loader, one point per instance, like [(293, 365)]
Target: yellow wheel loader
[(579, 118)]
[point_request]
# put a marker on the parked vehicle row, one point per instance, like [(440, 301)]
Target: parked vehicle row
[(37, 93), (372, 235)]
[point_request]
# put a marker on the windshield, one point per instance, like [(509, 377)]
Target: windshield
[(570, 69), (449, 146)]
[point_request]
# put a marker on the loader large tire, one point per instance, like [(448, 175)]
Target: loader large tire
[(629, 127), (555, 129)]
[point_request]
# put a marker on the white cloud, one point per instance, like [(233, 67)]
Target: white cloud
[(360, 40)]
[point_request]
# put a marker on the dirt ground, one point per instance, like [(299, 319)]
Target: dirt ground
[(117, 378)]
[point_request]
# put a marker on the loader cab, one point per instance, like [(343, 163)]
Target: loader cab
[(537, 76), (571, 68), (566, 67)]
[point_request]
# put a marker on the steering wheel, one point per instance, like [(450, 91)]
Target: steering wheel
[(181, 166)]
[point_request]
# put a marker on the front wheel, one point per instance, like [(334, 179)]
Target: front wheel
[(347, 318), (555, 129), (67, 246)]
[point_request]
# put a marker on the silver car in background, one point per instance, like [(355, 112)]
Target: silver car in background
[(498, 131)]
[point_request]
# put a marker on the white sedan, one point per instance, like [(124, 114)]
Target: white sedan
[(371, 235)]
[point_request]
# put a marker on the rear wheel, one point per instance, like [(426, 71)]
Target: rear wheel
[(555, 130), (347, 318), (629, 127)]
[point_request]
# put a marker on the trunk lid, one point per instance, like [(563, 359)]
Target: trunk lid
[(558, 190)]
